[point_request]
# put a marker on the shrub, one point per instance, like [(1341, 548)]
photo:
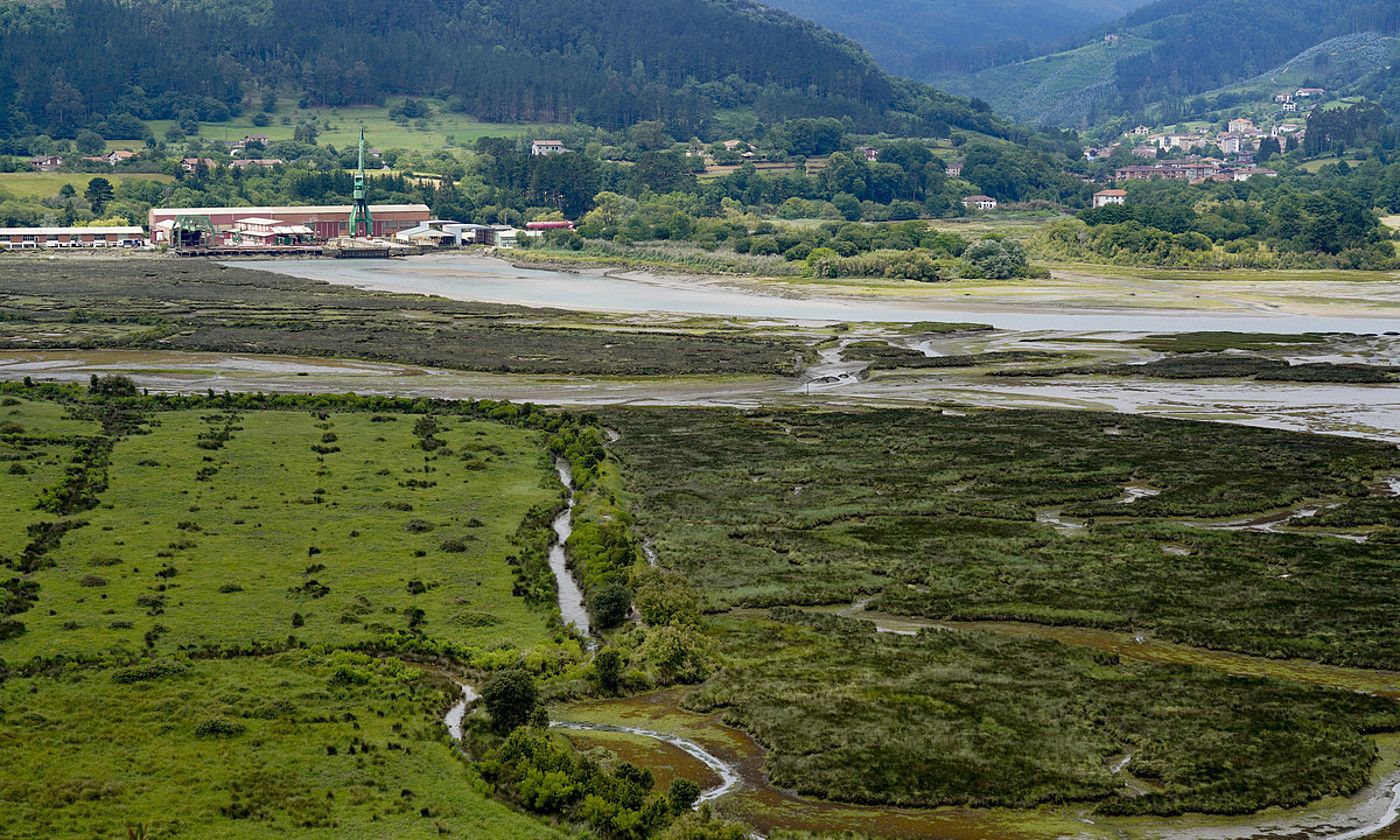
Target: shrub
[(218, 728), (92, 581)]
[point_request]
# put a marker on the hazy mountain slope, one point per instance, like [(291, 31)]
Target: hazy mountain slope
[(916, 37), (1172, 50)]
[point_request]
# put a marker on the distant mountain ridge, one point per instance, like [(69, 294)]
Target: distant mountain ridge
[(1168, 51), (916, 38)]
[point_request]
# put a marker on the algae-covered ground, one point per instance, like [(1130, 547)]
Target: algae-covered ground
[(1024, 515)]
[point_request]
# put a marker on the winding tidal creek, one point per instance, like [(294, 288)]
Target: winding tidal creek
[(572, 608)]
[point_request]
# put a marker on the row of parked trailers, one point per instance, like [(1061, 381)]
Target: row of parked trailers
[(21, 238)]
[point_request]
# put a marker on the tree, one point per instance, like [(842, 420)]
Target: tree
[(607, 667), (510, 697), (306, 133), (612, 604), (66, 109), (98, 194), (998, 259), (683, 795), (89, 142)]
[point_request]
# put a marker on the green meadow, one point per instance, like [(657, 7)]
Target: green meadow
[(381, 131), (192, 594), (38, 185), (303, 744)]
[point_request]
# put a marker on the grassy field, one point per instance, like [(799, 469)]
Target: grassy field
[(305, 744), (264, 537), (196, 305), (380, 130), (46, 184), (174, 551)]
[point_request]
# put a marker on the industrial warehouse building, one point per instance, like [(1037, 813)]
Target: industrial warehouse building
[(324, 222), (71, 237)]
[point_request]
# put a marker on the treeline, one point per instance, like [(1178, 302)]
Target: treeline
[(1325, 220), (610, 64)]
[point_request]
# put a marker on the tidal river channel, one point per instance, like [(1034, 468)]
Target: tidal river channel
[(488, 280)]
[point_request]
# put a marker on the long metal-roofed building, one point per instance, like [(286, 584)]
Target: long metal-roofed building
[(124, 236), (325, 221)]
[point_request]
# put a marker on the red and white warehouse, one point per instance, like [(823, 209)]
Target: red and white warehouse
[(327, 222)]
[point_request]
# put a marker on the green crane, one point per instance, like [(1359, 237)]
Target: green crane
[(359, 211)]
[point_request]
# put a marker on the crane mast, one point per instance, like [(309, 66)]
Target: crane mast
[(359, 211)]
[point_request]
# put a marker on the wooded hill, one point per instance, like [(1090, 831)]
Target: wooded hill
[(609, 63), (1167, 52)]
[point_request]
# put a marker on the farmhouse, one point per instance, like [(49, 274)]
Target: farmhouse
[(979, 202), (259, 139), (325, 221), (547, 147), (71, 237), (954, 169), (192, 164), (870, 153), (1251, 171), (1103, 198), (45, 163), (112, 158)]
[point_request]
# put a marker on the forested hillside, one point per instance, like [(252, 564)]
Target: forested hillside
[(609, 63), (917, 37), (1167, 52)]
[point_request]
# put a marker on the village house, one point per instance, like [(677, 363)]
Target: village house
[(540, 148), (1240, 125), (870, 153), (979, 202), (1230, 144), (240, 145), (1145, 151), (1141, 131), (1308, 93), (191, 164), (45, 163), (1290, 107), (1174, 170), (1103, 198), (954, 169), (111, 158), (1184, 142)]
